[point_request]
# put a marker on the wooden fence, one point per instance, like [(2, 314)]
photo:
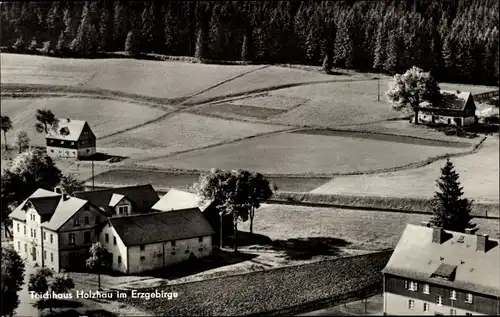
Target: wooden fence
[(486, 95)]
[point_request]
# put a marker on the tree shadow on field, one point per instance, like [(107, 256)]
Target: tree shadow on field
[(100, 157)]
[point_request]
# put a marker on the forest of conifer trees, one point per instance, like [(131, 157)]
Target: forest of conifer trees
[(457, 40)]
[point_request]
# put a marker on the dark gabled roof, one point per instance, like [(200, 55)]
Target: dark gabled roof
[(450, 100), (417, 257), (159, 227), (142, 196)]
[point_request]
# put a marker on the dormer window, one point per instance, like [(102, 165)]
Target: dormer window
[(62, 142), (64, 131)]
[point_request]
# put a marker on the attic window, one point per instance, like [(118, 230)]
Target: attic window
[(64, 131), (72, 143), (445, 271)]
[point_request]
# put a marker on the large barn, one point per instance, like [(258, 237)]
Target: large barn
[(456, 108), (71, 138)]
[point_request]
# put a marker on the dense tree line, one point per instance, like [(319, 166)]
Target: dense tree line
[(455, 40)]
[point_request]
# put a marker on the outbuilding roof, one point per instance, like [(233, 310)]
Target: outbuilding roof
[(453, 263), (176, 199), (450, 100), (159, 227), (67, 129)]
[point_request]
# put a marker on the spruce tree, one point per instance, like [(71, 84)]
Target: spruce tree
[(119, 25), (104, 30), (132, 44), (200, 45), (451, 211), (86, 41), (246, 47), (147, 26), (61, 44), (379, 49)]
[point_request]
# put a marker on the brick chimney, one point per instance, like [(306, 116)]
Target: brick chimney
[(437, 235), (482, 242)]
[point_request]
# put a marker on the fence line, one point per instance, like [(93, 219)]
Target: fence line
[(486, 95)]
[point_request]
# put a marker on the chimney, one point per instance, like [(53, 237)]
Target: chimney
[(59, 190), (471, 230), (482, 242), (65, 197), (437, 235), (426, 224)]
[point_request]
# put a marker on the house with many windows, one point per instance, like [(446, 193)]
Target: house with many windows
[(71, 138), (55, 230), (152, 241), (438, 272)]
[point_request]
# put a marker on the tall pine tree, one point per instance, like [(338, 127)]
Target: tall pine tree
[(451, 211)]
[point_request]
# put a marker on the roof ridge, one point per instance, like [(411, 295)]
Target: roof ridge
[(112, 188)]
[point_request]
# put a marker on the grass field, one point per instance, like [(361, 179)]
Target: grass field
[(374, 230), (184, 131), (301, 153), (149, 78), (104, 116), (165, 180), (478, 175)]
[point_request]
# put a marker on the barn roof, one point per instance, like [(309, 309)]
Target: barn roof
[(450, 100), (67, 129), (456, 262), (142, 196), (176, 199), (159, 227)]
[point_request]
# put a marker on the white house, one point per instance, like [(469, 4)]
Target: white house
[(456, 108), (156, 240), (71, 138)]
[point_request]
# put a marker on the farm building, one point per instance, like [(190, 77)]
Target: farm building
[(71, 138), (438, 272), (122, 201), (176, 199), (456, 108), (55, 230), (156, 240)]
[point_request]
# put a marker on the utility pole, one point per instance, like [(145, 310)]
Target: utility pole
[(93, 174), (378, 88)]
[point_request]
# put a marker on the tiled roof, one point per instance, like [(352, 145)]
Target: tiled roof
[(161, 226), (176, 199), (54, 210), (142, 196), (451, 100), (67, 129), (417, 257)]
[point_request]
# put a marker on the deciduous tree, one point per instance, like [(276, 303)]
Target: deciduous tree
[(71, 183), (99, 260), (6, 126), (46, 120), (451, 211), (12, 280), (411, 88), (23, 141)]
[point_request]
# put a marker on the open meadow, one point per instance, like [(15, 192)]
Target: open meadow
[(313, 153), (372, 230), (104, 116), (478, 175)]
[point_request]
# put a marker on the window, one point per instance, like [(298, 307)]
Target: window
[(468, 298), (468, 314), (44, 236), (187, 251), (71, 238), (44, 255), (406, 284), (24, 229), (17, 227), (411, 304), (119, 259), (25, 248), (200, 239), (31, 232), (123, 210), (143, 258), (427, 307), (172, 243), (200, 249), (97, 220), (86, 220), (453, 295), (72, 143), (173, 252), (51, 151), (51, 238), (62, 142), (34, 233), (453, 312), (439, 300), (19, 245), (141, 247), (76, 223), (51, 257), (114, 240), (86, 237), (88, 150), (107, 237), (427, 289), (414, 286)]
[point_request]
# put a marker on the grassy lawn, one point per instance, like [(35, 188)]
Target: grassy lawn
[(478, 175), (239, 111), (149, 78), (374, 230), (301, 153), (164, 180), (267, 100), (104, 116), (184, 131), (265, 79), (268, 290)]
